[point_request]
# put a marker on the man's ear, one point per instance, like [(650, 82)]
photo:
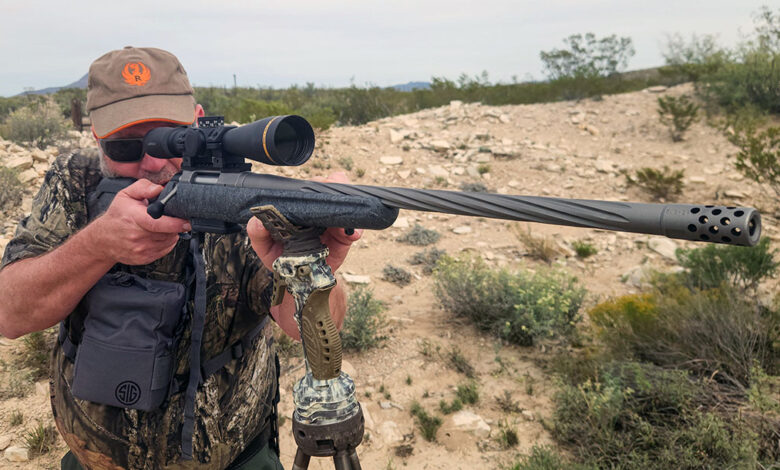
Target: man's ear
[(199, 112)]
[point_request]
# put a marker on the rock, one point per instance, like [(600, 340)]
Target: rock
[(5, 441), (3, 244), (663, 246), (356, 279), (594, 131), (636, 276), (504, 119), (396, 137), (734, 193), (513, 184), (551, 167), (438, 171), (401, 222), (468, 421), (19, 162), (39, 155), (28, 176), (603, 166), (440, 145), (403, 174), (461, 230), (528, 415), (390, 433), (389, 160), (456, 104), (576, 118), (697, 179), (385, 405), (420, 171), (369, 421), (657, 89), (458, 170), (17, 454), (482, 158), (347, 368)]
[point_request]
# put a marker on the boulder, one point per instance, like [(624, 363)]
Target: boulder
[(471, 422), (665, 247), (17, 454), (19, 162)]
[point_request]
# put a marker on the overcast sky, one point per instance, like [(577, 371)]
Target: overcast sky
[(334, 42)]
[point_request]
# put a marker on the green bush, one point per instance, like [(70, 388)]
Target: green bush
[(642, 416), (427, 258), (741, 267), (420, 236), (545, 458), (759, 155), (396, 275), (518, 307), (41, 439), (584, 249), (363, 322), (35, 353), (587, 56), (718, 333), (40, 124), (468, 393), (429, 425), (677, 113), (11, 190), (661, 184)]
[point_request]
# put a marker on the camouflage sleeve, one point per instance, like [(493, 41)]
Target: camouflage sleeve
[(45, 228), (258, 281)]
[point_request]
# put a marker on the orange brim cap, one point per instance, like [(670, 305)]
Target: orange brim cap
[(177, 109)]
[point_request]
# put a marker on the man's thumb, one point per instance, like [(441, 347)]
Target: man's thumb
[(143, 189)]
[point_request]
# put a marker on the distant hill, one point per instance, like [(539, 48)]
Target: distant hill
[(80, 83), (411, 86)]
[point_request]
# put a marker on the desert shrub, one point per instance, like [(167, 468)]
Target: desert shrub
[(250, 110), (678, 114), (587, 56), (420, 236), (539, 247), (17, 418), (452, 407), (396, 275), (661, 184), (35, 353), (742, 267), (468, 393), (40, 124), (546, 458), (507, 404), (40, 439), (346, 163), (473, 187), (427, 258), (429, 425), (694, 59), (11, 190), (18, 384), (642, 416), (458, 362), (759, 155), (584, 249), (507, 436), (519, 307), (716, 333), (364, 321), (483, 168)]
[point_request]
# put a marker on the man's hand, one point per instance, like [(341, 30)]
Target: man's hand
[(336, 239), (128, 235)]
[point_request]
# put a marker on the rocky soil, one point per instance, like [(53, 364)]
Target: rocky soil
[(568, 149)]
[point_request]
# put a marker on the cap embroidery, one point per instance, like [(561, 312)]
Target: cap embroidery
[(136, 73)]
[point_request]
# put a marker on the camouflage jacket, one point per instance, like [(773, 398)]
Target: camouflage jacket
[(231, 406)]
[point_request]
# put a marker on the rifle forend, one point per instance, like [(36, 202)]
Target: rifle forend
[(228, 198)]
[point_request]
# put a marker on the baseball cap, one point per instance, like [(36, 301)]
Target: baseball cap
[(138, 84)]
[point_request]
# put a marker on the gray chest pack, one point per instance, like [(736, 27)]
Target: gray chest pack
[(124, 346)]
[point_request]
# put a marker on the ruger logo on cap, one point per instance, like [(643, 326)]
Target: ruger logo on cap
[(136, 73)]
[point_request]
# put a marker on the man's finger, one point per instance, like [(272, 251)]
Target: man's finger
[(142, 189), (164, 224)]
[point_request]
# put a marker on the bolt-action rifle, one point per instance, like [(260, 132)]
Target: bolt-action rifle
[(218, 193)]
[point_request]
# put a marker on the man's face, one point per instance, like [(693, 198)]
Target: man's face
[(156, 170)]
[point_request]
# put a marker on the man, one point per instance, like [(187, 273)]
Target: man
[(63, 249)]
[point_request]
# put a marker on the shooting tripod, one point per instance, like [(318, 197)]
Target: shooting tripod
[(328, 420)]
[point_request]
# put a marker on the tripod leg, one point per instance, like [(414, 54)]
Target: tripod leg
[(341, 461), (301, 461), (353, 458)]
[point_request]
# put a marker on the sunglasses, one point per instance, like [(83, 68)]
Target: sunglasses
[(124, 150)]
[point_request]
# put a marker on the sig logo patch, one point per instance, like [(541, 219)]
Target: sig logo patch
[(127, 393)]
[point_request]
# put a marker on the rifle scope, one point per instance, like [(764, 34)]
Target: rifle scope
[(275, 140)]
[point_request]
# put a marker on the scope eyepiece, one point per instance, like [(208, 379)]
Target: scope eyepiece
[(276, 140)]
